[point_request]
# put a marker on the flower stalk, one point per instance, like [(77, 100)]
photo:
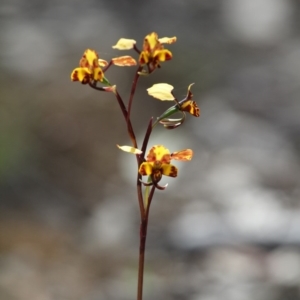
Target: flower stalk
[(157, 162)]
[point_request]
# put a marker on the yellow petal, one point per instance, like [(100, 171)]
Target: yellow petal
[(169, 170), (151, 42), (183, 155), (124, 44), (124, 61), (80, 74), (98, 74), (191, 107), (161, 91), (89, 59), (144, 58), (145, 169), (159, 153), (130, 149), (162, 55), (168, 40)]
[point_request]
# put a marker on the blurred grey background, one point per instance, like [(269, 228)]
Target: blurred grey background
[(228, 227)]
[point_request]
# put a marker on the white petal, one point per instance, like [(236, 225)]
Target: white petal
[(124, 44), (161, 91), (130, 149)]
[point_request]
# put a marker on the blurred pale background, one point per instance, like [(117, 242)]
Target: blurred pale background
[(228, 227)]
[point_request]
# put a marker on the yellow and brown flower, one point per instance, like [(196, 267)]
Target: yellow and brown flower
[(158, 162), (89, 68), (153, 51), (189, 105)]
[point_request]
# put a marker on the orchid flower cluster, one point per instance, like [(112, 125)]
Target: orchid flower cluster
[(92, 72)]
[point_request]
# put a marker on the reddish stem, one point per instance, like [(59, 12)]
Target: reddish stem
[(143, 237), (138, 157), (133, 87)]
